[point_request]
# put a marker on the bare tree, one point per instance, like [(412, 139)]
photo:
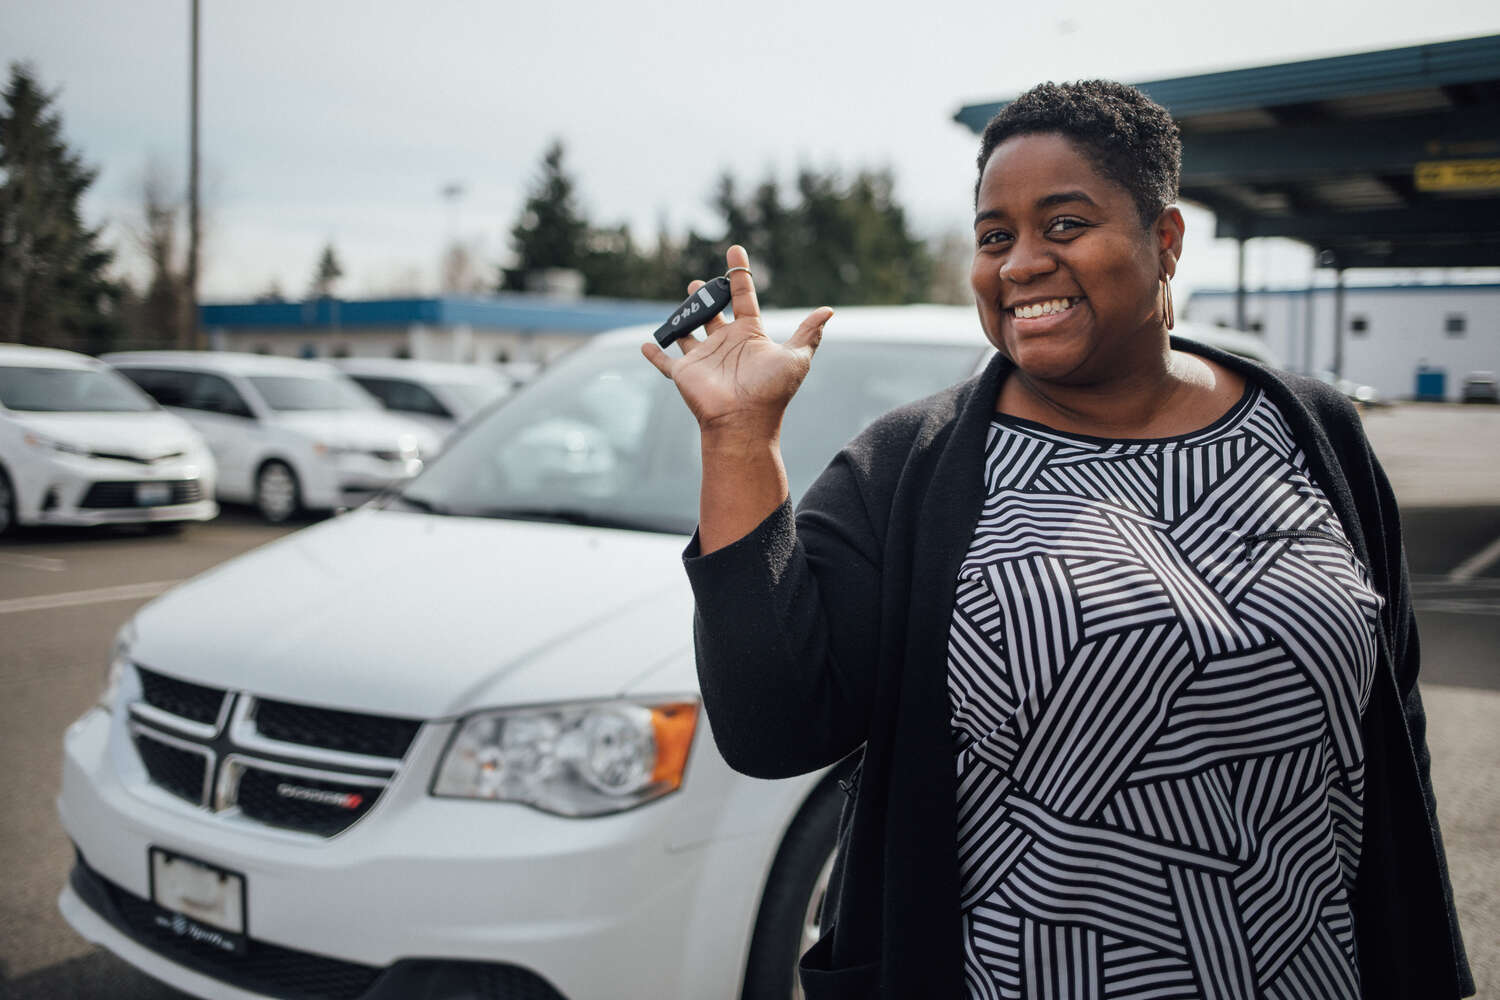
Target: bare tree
[(162, 308), (460, 272)]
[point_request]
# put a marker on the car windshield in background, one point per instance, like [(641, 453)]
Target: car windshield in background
[(603, 439), (474, 396), (301, 392), (70, 390)]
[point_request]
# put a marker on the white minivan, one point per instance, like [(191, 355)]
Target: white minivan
[(288, 434), (79, 445), (451, 744)]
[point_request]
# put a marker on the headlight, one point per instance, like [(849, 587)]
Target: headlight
[(572, 760), (119, 664), (42, 441)]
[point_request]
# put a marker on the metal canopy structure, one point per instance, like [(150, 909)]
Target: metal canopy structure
[(1380, 159)]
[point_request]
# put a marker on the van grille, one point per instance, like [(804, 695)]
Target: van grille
[(195, 702), (181, 772), (351, 732), (293, 767)]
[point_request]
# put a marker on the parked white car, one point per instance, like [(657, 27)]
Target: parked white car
[(79, 445), (451, 744), (438, 394), (288, 434)]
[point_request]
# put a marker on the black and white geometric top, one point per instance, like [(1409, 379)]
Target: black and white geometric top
[(1159, 657)]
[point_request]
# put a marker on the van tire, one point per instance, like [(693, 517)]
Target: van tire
[(790, 910), (278, 496), (7, 504)]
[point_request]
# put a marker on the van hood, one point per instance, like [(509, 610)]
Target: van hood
[(425, 616), (147, 436), (368, 430)]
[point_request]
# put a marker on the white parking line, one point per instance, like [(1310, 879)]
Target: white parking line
[(33, 562), (124, 592), (1476, 564)]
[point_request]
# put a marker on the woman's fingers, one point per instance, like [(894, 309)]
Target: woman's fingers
[(741, 284), (810, 332), (658, 357)]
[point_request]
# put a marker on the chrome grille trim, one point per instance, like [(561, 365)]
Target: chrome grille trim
[(243, 731), (166, 720), (188, 746)]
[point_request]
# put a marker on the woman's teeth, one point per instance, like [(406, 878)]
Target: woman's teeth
[(1043, 308)]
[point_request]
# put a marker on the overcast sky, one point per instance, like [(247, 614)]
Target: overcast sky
[(342, 121)]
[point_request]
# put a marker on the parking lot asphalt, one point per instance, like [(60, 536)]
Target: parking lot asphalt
[(64, 593)]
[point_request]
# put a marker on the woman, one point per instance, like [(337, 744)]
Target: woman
[(1121, 625)]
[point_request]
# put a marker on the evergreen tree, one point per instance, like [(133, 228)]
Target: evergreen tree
[(552, 231), (328, 272), (53, 286)]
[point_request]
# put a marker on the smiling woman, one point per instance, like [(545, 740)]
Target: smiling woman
[(1120, 626)]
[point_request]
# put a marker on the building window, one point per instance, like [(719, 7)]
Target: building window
[(309, 351), (341, 350), (1454, 324), (1359, 326)]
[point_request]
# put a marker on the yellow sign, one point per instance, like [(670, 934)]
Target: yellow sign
[(1458, 175)]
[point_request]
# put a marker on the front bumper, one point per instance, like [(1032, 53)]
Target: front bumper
[(348, 480), (595, 908), (84, 492)]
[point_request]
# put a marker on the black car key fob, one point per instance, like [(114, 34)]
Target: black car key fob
[(695, 310)]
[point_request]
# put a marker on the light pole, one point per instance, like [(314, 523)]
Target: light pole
[(191, 330)]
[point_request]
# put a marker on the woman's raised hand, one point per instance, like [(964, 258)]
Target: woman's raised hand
[(737, 380)]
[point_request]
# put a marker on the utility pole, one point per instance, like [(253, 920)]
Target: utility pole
[(190, 328)]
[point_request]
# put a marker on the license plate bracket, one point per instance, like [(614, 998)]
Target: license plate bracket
[(198, 901), (152, 494)]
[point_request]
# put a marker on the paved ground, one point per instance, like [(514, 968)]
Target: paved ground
[(63, 594)]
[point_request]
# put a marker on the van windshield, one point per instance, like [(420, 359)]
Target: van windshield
[(70, 390), (601, 438)]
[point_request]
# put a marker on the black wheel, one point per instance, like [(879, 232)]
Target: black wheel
[(7, 504), (277, 495), (790, 910)]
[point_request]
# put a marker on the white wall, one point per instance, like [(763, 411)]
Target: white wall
[(1405, 327)]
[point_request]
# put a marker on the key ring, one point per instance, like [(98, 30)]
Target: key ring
[(734, 269)]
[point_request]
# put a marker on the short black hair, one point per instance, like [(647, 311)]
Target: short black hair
[(1132, 140)]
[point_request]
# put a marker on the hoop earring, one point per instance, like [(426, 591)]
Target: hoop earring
[(1166, 284)]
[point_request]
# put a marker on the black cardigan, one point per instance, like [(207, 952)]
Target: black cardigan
[(824, 634)]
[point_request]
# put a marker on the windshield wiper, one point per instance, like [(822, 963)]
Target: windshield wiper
[(578, 515)]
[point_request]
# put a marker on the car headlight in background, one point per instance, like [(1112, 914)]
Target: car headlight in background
[(42, 441), (119, 663), (572, 760)]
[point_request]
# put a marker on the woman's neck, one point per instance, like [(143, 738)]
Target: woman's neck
[(1168, 394)]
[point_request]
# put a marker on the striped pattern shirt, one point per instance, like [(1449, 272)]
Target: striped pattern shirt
[(1159, 655)]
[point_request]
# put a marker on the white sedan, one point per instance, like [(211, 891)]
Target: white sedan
[(79, 445)]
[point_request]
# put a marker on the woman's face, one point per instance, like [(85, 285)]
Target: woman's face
[(1063, 246)]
